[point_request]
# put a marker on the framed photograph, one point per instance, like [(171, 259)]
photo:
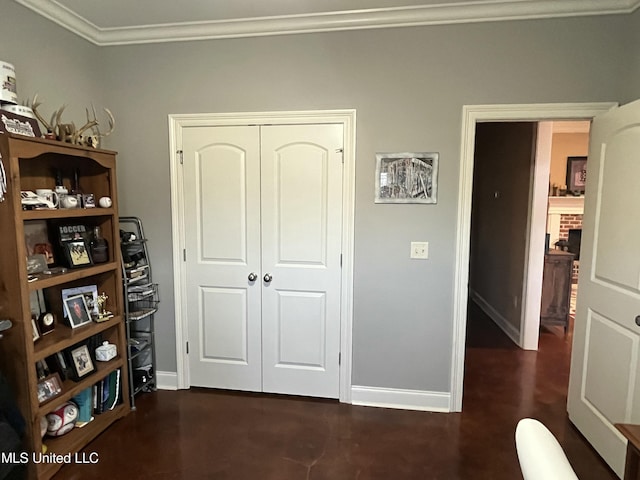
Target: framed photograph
[(49, 388), (77, 253), (78, 311), (34, 327), (90, 293), (81, 361), (88, 200), (406, 177), (576, 174), (36, 237), (36, 264)]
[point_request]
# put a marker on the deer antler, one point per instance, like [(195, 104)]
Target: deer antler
[(94, 139), (34, 107), (65, 132), (112, 122), (90, 124)]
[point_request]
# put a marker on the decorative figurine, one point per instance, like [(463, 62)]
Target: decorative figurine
[(103, 313)]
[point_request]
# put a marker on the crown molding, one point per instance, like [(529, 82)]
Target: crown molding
[(439, 14)]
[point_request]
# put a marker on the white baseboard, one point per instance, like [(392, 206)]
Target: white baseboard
[(401, 399), (364, 396), (167, 380), (509, 330)]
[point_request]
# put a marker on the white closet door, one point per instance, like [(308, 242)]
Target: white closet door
[(222, 237), (276, 211), (301, 248)]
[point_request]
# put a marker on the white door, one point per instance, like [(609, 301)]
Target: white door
[(222, 238), (273, 211), (301, 245), (604, 387)]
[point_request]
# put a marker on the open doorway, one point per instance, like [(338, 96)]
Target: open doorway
[(473, 115), (527, 187)]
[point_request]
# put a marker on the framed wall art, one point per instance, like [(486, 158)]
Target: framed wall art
[(576, 174), (406, 177)]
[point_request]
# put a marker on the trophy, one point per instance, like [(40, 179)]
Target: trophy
[(103, 313)]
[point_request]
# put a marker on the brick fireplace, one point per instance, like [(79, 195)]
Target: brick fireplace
[(563, 215)]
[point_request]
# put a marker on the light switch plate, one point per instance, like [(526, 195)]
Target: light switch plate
[(420, 250)]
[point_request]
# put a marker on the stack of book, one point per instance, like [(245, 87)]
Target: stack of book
[(101, 397)]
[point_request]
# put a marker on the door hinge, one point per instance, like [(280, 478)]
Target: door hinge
[(339, 358), (181, 155), (184, 254), (187, 348), (340, 260), (341, 152)]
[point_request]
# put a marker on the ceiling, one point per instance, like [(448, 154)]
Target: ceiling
[(117, 22)]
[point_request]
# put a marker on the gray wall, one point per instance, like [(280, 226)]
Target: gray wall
[(634, 53), (408, 86), (59, 66)]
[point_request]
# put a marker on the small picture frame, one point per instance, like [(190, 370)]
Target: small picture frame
[(49, 387), (34, 328), (36, 236), (576, 174), (81, 361), (90, 293), (88, 200), (79, 314), (77, 253)]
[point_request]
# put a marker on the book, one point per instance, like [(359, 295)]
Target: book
[(84, 401)]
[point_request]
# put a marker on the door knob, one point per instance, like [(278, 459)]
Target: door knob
[(252, 277), (638, 320), (267, 278)]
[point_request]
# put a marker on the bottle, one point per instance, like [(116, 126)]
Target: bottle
[(99, 247), (75, 188)]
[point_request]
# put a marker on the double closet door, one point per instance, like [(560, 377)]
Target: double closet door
[(263, 227)]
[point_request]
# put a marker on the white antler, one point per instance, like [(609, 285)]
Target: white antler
[(94, 139), (34, 107)]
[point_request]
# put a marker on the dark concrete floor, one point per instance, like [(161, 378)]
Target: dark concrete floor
[(201, 434)]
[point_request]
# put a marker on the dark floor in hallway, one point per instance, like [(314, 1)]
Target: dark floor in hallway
[(200, 434)]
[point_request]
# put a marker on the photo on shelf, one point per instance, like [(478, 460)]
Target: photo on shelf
[(90, 293), (77, 253), (78, 311), (49, 388), (36, 237), (34, 328), (81, 361)]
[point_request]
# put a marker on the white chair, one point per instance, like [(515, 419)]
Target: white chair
[(541, 456)]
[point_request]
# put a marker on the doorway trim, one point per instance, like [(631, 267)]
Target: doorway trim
[(472, 114), (347, 118)]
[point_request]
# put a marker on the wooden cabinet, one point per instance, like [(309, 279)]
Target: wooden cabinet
[(632, 463), (31, 164), (556, 288)]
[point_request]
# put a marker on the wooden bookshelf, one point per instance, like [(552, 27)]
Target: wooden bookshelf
[(30, 164)]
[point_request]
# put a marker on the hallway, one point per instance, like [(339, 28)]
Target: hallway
[(201, 434)]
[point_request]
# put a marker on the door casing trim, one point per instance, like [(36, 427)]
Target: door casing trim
[(472, 114), (347, 118)]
